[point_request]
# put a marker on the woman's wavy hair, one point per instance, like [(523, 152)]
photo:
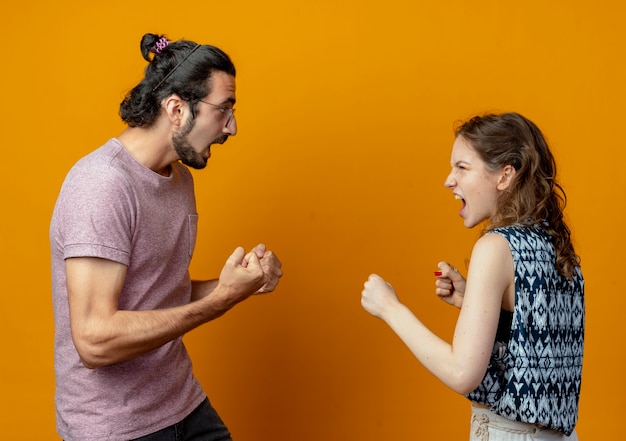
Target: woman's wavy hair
[(183, 68), (534, 196)]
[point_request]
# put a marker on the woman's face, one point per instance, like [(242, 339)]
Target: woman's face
[(473, 183)]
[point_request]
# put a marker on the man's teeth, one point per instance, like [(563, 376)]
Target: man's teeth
[(457, 197)]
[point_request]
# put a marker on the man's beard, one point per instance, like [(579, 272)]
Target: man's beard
[(185, 151)]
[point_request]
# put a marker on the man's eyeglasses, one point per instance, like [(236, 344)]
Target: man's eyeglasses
[(224, 110)]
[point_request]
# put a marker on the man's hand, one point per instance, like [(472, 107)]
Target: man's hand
[(271, 267), (241, 276)]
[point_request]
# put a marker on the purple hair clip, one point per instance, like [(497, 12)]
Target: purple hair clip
[(160, 45)]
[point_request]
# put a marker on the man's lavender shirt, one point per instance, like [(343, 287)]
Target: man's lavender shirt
[(112, 207)]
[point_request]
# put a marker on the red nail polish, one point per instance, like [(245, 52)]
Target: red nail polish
[(437, 273)]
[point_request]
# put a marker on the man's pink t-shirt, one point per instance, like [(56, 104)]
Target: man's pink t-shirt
[(112, 207)]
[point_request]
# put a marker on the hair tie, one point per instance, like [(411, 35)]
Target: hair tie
[(160, 45)]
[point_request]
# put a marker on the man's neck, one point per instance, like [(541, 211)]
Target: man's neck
[(147, 146)]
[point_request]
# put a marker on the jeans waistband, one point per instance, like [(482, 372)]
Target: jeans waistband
[(483, 418)]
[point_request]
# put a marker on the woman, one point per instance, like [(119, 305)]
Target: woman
[(518, 343)]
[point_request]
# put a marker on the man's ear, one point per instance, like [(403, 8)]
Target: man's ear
[(506, 177), (175, 107)]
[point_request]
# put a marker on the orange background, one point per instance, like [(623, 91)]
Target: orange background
[(345, 114)]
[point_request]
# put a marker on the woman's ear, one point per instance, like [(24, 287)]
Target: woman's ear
[(508, 173)]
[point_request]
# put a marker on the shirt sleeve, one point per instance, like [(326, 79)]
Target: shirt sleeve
[(96, 214)]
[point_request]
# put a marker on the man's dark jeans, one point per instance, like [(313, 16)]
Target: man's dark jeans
[(203, 424)]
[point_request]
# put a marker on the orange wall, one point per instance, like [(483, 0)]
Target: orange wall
[(345, 110)]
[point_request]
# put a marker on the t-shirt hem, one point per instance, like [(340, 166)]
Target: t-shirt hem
[(162, 424)]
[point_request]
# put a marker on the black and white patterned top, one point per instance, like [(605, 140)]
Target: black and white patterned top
[(535, 370)]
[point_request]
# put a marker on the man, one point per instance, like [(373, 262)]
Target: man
[(122, 236)]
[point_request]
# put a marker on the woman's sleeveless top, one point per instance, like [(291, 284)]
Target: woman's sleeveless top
[(535, 370)]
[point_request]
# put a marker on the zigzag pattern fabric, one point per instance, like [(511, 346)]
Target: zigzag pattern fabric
[(535, 376)]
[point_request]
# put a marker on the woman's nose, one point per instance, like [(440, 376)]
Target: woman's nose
[(449, 182)]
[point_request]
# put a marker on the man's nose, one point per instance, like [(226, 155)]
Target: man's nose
[(230, 128)]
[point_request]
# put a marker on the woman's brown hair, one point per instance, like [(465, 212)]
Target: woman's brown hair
[(534, 196)]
